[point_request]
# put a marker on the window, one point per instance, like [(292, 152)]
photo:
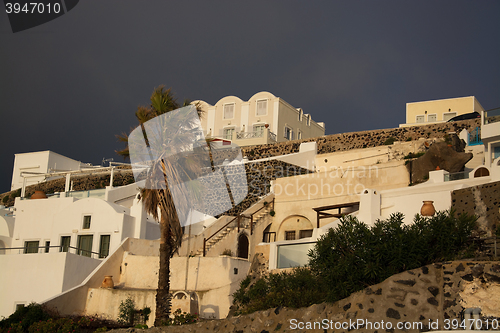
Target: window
[(305, 233), (104, 246), (299, 135), (300, 114), (84, 245), (228, 111), (308, 120), (86, 222), (290, 235), (496, 152), (228, 133), (259, 130), (432, 118), (448, 115), (47, 246), (288, 133), (31, 247), (261, 107), (65, 243), (420, 119), (19, 306)]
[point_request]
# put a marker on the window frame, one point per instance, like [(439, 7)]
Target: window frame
[(82, 252), (290, 129), (224, 129), (290, 233), (259, 125), (257, 107), (101, 250), (421, 116), (28, 248), (452, 114), (224, 111), (432, 114), (302, 232), (84, 222), (63, 247)]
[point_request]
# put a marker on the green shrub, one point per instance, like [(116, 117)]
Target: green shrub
[(16, 193), (353, 255), (24, 317), (412, 155), (5, 199), (390, 140), (182, 318), (294, 289), (129, 315)]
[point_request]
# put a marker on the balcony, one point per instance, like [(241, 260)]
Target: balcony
[(491, 116), (260, 137)]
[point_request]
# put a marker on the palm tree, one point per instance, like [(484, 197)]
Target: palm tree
[(162, 101), (172, 163)]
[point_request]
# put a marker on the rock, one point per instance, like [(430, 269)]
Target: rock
[(439, 154)]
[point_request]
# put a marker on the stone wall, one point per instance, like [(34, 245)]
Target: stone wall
[(419, 300), (326, 144), (483, 201), (122, 176), (259, 177), (363, 139)]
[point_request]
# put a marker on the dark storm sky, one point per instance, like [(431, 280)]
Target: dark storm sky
[(71, 84)]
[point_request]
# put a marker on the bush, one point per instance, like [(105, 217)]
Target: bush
[(390, 140), (291, 289), (353, 255), (182, 318), (129, 315), (24, 317)]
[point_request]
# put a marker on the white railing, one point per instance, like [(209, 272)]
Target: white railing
[(249, 135), (255, 134), (99, 193)]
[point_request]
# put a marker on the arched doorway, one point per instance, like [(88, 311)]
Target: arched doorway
[(243, 246), (481, 172)]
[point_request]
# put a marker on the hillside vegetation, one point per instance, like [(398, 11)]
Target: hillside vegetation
[(353, 256)]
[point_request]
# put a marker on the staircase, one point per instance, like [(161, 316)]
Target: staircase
[(259, 214)]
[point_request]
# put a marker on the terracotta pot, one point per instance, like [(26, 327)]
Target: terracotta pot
[(38, 195), (427, 209), (108, 282)]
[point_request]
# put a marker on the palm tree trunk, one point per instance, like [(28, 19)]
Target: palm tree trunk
[(163, 299)]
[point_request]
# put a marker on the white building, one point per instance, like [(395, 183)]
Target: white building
[(263, 119), (490, 135), (40, 162), (54, 243)]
